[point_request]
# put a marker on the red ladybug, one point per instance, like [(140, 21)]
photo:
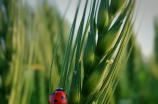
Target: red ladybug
[(58, 97)]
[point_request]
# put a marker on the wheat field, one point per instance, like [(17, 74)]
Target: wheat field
[(98, 62)]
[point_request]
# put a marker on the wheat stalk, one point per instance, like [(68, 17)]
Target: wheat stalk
[(98, 60)]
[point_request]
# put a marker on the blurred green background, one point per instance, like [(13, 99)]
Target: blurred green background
[(27, 38)]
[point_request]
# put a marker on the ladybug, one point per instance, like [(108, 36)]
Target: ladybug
[(58, 97)]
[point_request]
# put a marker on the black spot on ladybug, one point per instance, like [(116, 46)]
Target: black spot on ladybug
[(63, 97), (55, 100)]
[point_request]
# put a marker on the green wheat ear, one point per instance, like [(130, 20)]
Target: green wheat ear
[(88, 74), (103, 17)]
